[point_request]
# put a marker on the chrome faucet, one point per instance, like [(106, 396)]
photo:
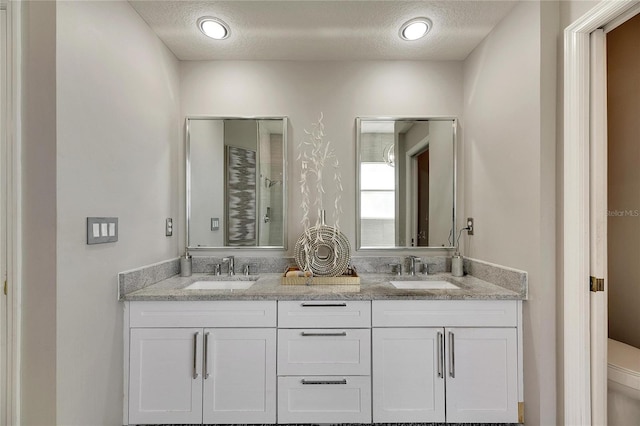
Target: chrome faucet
[(413, 260), (230, 260)]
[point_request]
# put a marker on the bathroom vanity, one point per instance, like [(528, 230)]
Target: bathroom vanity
[(314, 354)]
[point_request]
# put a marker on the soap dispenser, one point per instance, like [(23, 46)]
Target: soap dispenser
[(456, 265), (185, 265)]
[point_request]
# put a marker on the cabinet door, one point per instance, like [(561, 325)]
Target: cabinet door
[(482, 375), (239, 376), (408, 375), (165, 385)]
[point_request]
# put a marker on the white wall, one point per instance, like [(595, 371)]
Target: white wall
[(509, 119), (440, 182), (118, 139), (38, 232), (341, 90), (206, 141)]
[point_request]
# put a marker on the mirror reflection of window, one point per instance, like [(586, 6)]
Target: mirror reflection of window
[(406, 178), (377, 204)]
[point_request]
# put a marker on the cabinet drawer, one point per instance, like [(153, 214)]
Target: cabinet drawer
[(203, 314), (324, 352), (334, 313), (343, 399), (444, 313)]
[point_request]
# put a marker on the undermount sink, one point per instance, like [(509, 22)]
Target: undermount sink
[(220, 285), (424, 285)]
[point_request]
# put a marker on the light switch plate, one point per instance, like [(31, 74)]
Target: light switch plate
[(102, 230)]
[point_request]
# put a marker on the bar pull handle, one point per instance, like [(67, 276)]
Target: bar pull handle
[(206, 355), (452, 356), (323, 305), (339, 333), (195, 354), (440, 355), (324, 382)]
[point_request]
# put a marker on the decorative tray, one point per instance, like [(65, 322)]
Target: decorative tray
[(350, 278)]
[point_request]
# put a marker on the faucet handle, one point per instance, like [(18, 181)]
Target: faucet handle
[(216, 269), (397, 267)]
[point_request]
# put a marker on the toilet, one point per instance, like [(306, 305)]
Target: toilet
[(623, 401)]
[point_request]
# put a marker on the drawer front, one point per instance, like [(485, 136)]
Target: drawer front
[(328, 399), (333, 313), (203, 314), (444, 313), (324, 352)]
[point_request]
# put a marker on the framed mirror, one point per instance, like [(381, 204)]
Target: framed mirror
[(406, 183), (236, 182)]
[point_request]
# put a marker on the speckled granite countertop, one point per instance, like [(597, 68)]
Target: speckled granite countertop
[(373, 287)]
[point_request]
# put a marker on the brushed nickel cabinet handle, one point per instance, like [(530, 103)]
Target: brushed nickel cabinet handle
[(206, 355), (195, 354), (440, 355), (324, 382), (324, 305), (339, 333), (452, 356)]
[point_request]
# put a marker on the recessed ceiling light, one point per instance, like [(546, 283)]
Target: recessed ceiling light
[(214, 28), (415, 28)]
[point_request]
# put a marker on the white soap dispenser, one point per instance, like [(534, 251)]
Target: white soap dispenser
[(457, 265), (185, 265)]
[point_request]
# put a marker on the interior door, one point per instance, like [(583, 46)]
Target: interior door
[(423, 198), (598, 228), (4, 163)]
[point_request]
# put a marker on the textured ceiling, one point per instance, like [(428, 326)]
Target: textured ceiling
[(322, 30)]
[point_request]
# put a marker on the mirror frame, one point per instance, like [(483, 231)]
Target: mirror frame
[(359, 121), (285, 186)]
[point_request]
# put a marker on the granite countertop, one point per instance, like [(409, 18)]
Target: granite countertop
[(372, 287)]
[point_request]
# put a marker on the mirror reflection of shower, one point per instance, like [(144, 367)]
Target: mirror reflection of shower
[(269, 183), (236, 179)]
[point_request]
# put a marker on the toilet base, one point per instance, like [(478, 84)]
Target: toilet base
[(623, 406)]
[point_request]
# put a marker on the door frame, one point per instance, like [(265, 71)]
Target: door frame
[(411, 188), (576, 220)]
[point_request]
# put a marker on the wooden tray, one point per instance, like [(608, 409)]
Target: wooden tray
[(352, 279)]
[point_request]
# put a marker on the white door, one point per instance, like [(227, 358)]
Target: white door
[(165, 384), (239, 376), (4, 163), (598, 228), (482, 375), (408, 375)]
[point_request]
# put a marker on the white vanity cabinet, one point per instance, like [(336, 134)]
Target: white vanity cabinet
[(324, 362), (453, 361), (201, 362)]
